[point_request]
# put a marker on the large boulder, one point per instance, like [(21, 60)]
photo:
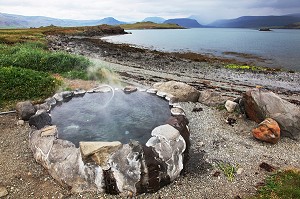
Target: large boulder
[(260, 105), (25, 110), (179, 90)]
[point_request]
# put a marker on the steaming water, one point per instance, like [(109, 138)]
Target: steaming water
[(125, 117), (280, 48)]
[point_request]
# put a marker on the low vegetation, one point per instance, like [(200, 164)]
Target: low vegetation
[(34, 56), (245, 67), (281, 185), (23, 84), (228, 169), (150, 25)]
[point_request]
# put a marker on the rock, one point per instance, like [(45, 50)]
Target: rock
[(98, 152), (239, 171), (25, 110), (79, 93), (3, 191), (211, 98), (177, 111), (267, 131), (102, 89), (40, 120), (267, 167), (230, 106), (169, 145), (49, 131), (163, 94), (20, 122), (260, 105), (126, 166), (130, 89), (179, 90), (45, 106), (151, 90)]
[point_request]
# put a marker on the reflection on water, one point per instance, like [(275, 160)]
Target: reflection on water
[(127, 116)]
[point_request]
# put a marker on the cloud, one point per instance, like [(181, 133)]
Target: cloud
[(130, 10)]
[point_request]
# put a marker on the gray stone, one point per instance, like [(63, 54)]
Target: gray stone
[(49, 131), (20, 122), (40, 120), (67, 94), (58, 97), (183, 92), (45, 107), (230, 106), (50, 101), (177, 111), (169, 145), (3, 191), (126, 167), (161, 94), (130, 89), (211, 98), (25, 110), (151, 90), (260, 105), (78, 93), (103, 89), (99, 152)]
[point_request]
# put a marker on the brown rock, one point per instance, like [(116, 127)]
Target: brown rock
[(260, 104), (98, 152), (25, 110), (211, 98), (267, 131)]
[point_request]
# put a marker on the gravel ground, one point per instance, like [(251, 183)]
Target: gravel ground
[(213, 140)]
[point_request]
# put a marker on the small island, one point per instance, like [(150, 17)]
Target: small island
[(265, 29)]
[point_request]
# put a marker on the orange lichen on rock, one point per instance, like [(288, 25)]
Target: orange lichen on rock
[(268, 131)]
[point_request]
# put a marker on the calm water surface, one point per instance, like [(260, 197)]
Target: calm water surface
[(280, 48)]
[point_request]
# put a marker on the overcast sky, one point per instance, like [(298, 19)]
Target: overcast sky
[(137, 10)]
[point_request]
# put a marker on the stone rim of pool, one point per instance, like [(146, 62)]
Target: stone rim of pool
[(112, 167)]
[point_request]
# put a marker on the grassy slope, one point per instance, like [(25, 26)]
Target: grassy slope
[(150, 25)]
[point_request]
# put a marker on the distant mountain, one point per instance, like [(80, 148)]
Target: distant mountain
[(20, 21), (185, 22), (256, 21), (154, 19)]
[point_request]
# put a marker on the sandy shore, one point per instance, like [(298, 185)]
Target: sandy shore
[(213, 141)]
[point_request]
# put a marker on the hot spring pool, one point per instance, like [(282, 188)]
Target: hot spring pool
[(110, 117)]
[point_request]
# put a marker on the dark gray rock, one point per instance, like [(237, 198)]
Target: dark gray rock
[(260, 105), (40, 120), (25, 110)]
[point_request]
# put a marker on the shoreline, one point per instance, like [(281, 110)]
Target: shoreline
[(146, 67), (212, 139)]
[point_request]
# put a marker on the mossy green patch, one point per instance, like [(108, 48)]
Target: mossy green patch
[(281, 185), (245, 67)]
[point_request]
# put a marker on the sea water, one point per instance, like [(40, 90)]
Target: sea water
[(279, 48)]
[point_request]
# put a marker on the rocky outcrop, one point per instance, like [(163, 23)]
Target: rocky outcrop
[(259, 105), (179, 90), (267, 131), (211, 98), (25, 110)]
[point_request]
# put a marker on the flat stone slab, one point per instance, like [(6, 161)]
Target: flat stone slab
[(49, 131)]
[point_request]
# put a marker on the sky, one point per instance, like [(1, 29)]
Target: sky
[(136, 10)]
